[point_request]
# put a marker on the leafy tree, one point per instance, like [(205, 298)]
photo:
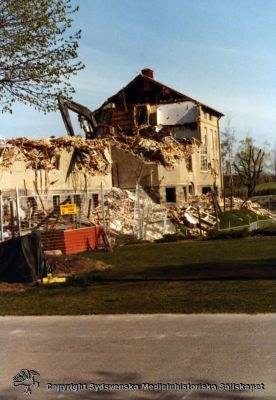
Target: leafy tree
[(249, 163), (37, 54)]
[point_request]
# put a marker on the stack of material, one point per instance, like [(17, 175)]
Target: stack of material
[(120, 210), (91, 157)]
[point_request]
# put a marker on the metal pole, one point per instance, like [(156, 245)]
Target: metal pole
[(103, 210), (18, 212), (12, 218), (1, 217), (139, 212)]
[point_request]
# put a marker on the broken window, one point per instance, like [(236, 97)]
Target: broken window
[(171, 195), (203, 159), (141, 115)]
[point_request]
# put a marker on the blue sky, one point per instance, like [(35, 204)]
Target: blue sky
[(220, 52)]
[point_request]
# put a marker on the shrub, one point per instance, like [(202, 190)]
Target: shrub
[(172, 237), (228, 234), (267, 231)]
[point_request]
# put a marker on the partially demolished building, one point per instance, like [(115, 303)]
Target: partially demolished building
[(147, 133), (163, 139)]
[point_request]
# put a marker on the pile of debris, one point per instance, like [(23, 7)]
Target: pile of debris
[(74, 265), (92, 156), (250, 205), (88, 156), (192, 220), (127, 215), (153, 147)]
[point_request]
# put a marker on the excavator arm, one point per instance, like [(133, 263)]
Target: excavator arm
[(86, 117)]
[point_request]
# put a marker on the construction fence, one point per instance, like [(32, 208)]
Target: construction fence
[(253, 226), (53, 215)]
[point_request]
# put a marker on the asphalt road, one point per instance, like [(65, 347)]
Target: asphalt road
[(136, 349)]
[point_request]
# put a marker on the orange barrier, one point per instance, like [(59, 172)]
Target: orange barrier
[(73, 241)]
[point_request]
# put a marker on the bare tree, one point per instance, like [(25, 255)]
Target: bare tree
[(273, 161), (227, 151), (249, 162)]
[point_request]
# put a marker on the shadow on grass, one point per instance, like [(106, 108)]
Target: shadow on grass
[(257, 270)]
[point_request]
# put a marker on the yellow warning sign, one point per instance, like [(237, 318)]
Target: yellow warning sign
[(68, 209)]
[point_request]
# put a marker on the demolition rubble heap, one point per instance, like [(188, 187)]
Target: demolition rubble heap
[(187, 217), (250, 205), (124, 218), (91, 157), (151, 146)]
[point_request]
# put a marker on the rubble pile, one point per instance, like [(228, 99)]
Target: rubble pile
[(121, 215), (250, 205), (73, 265), (120, 207), (91, 157), (163, 149), (188, 218)]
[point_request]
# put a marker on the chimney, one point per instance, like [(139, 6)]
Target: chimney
[(147, 72)]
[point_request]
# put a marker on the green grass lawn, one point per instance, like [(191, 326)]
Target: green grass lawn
[(230, 219), (181, 277), (267, 185)]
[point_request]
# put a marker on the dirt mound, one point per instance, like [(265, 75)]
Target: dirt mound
[(10, 287), (75, 265)]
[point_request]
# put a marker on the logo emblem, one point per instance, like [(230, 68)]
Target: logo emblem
[(26, 378)]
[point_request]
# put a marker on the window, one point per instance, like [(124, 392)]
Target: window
[(95, 198), (204, 137), (56, 202), (203, 159), (56, 161), (185, 190), (191, 189), (141, 115), (171, 195), (189, 164), (77, 199), (31, 201), (210, 117), (206, 189)]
